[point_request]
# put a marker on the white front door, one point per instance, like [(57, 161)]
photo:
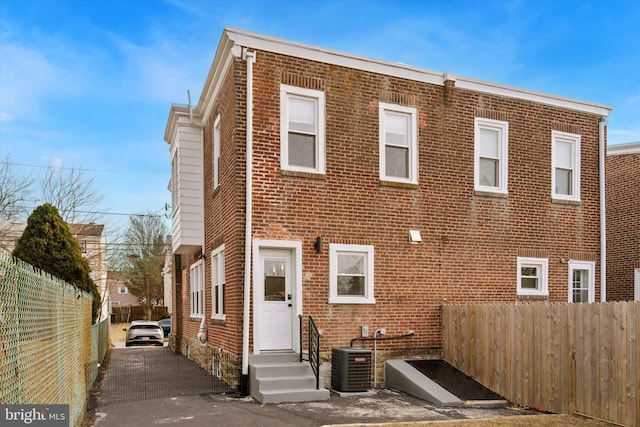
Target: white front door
[(276, 300)]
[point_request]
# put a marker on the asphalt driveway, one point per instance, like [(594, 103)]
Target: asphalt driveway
[(141, 387)]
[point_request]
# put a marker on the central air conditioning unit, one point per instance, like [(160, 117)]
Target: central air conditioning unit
[(351, 369)]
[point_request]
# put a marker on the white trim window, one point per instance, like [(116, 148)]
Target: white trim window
[(302, 129), (533, 276), (351, 274), (398, 143), (565, 159), (196, 289), (582, 279), (217, 284), (123, 290), (491, 160), (216, 152)]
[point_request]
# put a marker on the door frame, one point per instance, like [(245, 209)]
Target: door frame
[(296, 286)]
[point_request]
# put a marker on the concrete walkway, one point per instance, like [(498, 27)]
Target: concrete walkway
[(186, 401)]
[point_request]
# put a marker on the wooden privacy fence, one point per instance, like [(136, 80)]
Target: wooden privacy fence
[(560, 357), (130, 313)]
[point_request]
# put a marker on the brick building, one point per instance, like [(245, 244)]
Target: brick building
[(623, 222), (376, 192)]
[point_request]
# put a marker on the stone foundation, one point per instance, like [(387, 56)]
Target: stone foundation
[(217, 361)]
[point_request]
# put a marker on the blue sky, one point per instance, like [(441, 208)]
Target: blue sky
[(88, 84)]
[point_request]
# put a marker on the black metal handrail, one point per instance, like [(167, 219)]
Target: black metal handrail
[(312, 353)]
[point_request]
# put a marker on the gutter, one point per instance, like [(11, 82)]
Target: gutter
[(602, 122), (250, 57)]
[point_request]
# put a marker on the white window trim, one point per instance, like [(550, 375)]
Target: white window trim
[(215, 258), (590, 266), (334, 250), (543, 265), (123, 290), (319, 97), (196, 286), (503, 178), (413, 142), (216, 152), (575, 179)]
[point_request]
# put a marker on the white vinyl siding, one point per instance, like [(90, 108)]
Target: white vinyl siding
[(398, 143)]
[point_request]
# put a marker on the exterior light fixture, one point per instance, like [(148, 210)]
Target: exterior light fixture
[(414, 237)]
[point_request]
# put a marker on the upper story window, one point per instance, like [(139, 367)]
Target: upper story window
[(491, 155), (582, 281), (216, 152), (533, 276), (123, 290), (398, 143), (196, 289), (302, 129), (351, 274), (217, 284), (565, 158)]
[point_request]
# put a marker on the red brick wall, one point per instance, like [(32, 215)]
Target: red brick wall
[(623, 224), (470, 242)]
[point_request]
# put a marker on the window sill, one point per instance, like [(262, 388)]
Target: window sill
[(396, 184), (351, 301), (218, 319), (193, 317), (299, 174), (495, 195), (565, 202)]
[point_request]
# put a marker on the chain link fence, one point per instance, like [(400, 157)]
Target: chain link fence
[(49, 351)]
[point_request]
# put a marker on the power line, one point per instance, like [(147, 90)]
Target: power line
[(83, 169)]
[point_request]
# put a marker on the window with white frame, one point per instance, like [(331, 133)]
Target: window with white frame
[(398, 143), (196, 289), (351, 274), (123, 290), (302, 129), (216, 152), (491, 155), (533, 276), (217, 284), (582, 281), (565, 158)]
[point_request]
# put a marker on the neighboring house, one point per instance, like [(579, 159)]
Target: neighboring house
[(91, 239), (623, 222), (377, 191), (120, 295)]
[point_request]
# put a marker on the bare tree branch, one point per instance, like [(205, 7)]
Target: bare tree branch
[(15, 190), (72, 193)]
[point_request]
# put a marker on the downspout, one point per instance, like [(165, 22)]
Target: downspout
[(250, 57), (602, 122)]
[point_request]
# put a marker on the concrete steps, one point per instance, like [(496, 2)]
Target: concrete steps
[(279, 378)]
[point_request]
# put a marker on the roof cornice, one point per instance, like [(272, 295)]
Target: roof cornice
[(630, 148), (233, 39)]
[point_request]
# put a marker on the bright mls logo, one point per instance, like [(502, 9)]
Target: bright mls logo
[(35, 415)]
